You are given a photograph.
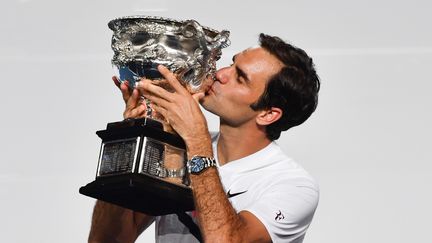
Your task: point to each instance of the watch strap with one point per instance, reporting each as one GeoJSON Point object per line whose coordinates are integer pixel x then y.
{"type": "Point", "coordinates": [171, 173]}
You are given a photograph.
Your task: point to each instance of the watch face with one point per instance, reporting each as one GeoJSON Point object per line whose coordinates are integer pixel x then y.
{"type": "Point", "coordinates": [197, 164]}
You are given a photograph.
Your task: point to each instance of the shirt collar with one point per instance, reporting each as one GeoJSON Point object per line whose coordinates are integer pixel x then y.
{"type": "Point", "coordinates": [259, 159]}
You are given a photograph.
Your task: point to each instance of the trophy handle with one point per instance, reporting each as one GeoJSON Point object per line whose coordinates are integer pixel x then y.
{"type": "Point", "coordinates": [221, 40]}
{"type": "Point", "coordinates": [210, 49]}
{"type": "Point", "coordinates": [197, 67]}
{"type": "Point", "coordinates": [192, 28]}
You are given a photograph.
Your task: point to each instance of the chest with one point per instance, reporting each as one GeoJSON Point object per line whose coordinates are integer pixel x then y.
{"type": "Point", "coordinates": [244, 189]}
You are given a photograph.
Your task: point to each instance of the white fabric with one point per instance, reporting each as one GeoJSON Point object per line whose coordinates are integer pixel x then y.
{"type": "Point", "coordinates": [280, 193]}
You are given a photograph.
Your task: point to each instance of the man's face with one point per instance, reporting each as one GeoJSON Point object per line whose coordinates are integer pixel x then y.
{"type": "Point", "coordinates": [240, 85]}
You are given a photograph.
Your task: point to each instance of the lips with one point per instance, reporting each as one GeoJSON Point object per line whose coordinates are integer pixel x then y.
{"type": "Point", "coordinates": [208, 85]}
{"type": "Point", "coordinates": [210, 91]}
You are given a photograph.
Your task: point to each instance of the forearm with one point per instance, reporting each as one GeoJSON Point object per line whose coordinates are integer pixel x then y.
{"type": "Point", "coordinates": [218, 220]}
{"type": "Point", "coordinates": [114, 224]}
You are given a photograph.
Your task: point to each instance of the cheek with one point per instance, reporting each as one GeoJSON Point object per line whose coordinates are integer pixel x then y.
{"type": "Point", "coordinates": [235, 98]}
{"type": "Point", "coordinates": [245, 97]}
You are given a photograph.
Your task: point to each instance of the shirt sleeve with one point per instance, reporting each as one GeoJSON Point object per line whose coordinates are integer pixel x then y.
{"type": "Point", "coordinates": [286, 210]}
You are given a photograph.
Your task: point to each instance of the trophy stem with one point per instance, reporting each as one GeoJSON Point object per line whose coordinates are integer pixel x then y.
{"type": "Point", "coordinates": [149, 109]}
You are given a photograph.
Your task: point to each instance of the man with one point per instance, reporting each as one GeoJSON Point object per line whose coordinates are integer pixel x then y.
{"type": "Point", "coordinates": [253, 193]}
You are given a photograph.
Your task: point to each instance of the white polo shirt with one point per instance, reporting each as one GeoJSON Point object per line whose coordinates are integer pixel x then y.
{"type": "Point", "coordinates": [268, 184]}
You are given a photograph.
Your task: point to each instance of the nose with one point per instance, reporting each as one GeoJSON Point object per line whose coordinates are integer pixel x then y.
{"type": "Point", "coordinates": [222, 75]}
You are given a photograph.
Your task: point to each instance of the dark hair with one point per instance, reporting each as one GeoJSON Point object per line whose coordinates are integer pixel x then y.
{"type": "Point", "coordinates": [294, 89]}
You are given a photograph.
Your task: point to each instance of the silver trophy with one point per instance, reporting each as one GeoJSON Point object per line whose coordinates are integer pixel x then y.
{"type": "Point", "coordinates": [142, 161]}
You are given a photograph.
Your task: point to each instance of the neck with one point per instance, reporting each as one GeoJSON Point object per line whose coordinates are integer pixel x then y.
{"type": "Point", "coordinates": [238, 142]}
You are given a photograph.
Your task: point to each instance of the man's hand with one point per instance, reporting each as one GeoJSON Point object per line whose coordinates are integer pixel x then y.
{"type": "Point", "coordinates": [135, 107]}
{"type": "Point", "coordinates": [180, 109]}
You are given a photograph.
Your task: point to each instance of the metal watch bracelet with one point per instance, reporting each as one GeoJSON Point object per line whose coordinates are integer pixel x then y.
{"type": "Point", "coordinates": [171, 173]}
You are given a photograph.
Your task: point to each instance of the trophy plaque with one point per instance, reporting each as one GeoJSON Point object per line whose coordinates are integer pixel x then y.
{"type": "Point", "coordinates": [142, 161]}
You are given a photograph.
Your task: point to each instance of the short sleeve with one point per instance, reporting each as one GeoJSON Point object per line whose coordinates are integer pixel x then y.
{"type": "Point", "coordinates": [286, 210]}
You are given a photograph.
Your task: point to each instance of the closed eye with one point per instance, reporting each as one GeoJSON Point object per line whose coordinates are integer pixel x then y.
{"type": "Point", "coordinates": [241, 75]}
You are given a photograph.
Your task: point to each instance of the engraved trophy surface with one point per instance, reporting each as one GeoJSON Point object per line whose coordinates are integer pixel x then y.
{"type": "Point", "coordinates": [142, 161]}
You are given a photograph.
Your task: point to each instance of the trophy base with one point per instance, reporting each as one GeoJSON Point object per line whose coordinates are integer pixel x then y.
{"type": "Point", "coordinates": [132, 170]}
{"type": "Point", "coordinates": [142, 193]}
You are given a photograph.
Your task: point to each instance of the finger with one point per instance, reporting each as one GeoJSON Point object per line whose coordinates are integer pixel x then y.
{"type": "Point", "coordinates": [162, 111]}
{"type": "Point", "coordinates": [139, 111]}
{"type": "Point", "coordinates": [198, 96]}
{"type": "Point", "coordinates": [124, 88]}
{"type": "Point", "coordinates": [146, 87]}
{"type": "Point", "coordinates": [133, 100]}
{"type": "Point", "coordinates": [159, 101]}
{"type": "Point", "coordinates": [116, 81]}
{"type": "Point", "coordinates": [172, 79]}
{"type": "Point", "coordinates": [126, 92]}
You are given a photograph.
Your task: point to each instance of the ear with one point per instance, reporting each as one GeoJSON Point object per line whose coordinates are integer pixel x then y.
{"type": "Point", "coordinates": [267, 117]}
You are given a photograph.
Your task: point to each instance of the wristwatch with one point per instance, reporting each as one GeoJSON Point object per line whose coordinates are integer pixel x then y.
{"type": "Point", "coordinates": [197, 164]}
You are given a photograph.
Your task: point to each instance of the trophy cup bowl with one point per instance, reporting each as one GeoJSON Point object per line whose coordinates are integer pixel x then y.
{"type": "Point", "coordinates": [142, 161]}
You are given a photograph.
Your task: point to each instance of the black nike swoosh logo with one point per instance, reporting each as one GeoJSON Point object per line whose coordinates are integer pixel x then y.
{"type": "Point", "coordinates": [234, 194]}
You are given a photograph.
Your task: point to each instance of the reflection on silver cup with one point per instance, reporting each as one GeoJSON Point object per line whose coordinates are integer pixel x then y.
{"type": "Point", "coordinates": [185, 47]}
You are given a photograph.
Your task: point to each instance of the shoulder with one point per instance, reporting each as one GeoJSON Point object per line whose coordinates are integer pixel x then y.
{"type": "Point", "coordinates": [270, 175]}
{"type": "Point", "coordinates": [289, 176]}
{"type": "Point", "coordinates": [286, 178]}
